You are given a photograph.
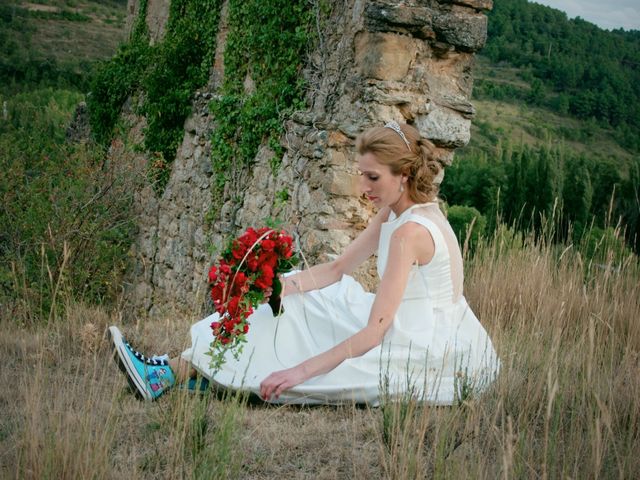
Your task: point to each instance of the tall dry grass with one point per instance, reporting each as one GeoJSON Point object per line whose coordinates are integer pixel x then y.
{"type": "Point", "coordinates": [565, 405]}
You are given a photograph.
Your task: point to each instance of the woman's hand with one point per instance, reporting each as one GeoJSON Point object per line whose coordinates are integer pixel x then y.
{"type": "Point", "coordinates": [279, 381]}
{"type": "Point", "coordinates": [267, 294]}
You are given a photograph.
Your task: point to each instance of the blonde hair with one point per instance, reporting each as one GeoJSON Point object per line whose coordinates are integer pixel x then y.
{"type": "Point", "coordinates": [416, 160]}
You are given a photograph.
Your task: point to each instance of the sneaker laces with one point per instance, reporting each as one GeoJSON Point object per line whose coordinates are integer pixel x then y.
{"type": "Point", "coordinates": [156, 360]}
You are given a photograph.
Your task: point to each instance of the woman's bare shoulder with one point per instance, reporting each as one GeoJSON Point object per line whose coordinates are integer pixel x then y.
{"type": "Point", "coordinates": [411, 231]}
{"type": "Point", "coordinates": [415, 240]}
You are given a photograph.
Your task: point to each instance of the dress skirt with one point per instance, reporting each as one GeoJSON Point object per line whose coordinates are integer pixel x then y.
{"type": "Point", "coordinates": [434, 353]}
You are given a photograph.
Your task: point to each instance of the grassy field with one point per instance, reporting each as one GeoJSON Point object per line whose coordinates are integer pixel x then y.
{"type": "Point", "coordinates": [69, 29]}
{"type": "Point", "coordinates": [520, 122]}
{"type": "Point", "coordinates": [69, 34]}
{"type": "Point", "coordinates": [566, 404]}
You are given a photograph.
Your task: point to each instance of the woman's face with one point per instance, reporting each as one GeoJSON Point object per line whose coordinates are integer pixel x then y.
{"type": "Point", "coordinates": [377, 182]}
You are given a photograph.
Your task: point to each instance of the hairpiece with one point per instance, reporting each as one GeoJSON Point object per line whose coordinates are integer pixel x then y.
{"type": "Point", "coordinates": [393, 125]}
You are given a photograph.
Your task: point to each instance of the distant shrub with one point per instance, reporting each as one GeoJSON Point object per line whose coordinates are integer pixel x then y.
{"type": "Point", "coordinates": [508, 238]}
{"type": "Point", "coordinates": [66, 223]}
{"type": "Point", "coordinates": [605, 246]}
{"type": "Point", "coordinates": [466, 222]}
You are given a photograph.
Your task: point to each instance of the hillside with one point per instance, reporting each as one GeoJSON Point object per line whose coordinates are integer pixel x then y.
{"type": "Point", "coordinates": [54, 42]}
{"type": "Point", "coordinates": [559, 94]}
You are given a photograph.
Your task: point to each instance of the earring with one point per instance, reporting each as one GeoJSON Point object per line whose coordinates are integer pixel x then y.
{"type": "Point", "coordinates": [401, 188]}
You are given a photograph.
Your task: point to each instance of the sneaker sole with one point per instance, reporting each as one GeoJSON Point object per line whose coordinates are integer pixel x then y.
{"type": "Point", "coordinates": [122, 358]}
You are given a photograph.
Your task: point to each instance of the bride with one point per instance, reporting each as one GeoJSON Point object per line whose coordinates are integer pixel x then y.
{"type": "Point", "coordinates": [336, 343]}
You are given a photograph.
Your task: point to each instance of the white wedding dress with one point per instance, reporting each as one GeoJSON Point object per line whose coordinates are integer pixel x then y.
{"type": "Point", "coordinates": [435, 350]}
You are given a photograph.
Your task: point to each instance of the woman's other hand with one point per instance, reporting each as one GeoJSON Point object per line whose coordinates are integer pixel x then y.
{"type": "Point", "coordinates": [267, 294]}
{"type": "Point", "coordinates": [279, 381]}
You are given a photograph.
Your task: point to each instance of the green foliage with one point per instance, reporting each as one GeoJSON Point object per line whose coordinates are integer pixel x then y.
{"type": "Point", "coordinates": [63, 14]}
{"type": "Point", "coordinates": [267, 42]}
{"type": "Point", "coordinates": [605, 246]}
{"type": "Point", "coordinates": [176, 68]}
{"type": "Point", "coordinates": [35, 49]}
{"type": "Point", "coordinates": [113, 82]}
{"type": "Point", "coordinates": [467, 223]}
{"type": "Point", "coordinates": [528, 186]}
{"type": "Point", "coordinates": [574, 66]}
{"type": "Point", "coordinates": [65, 222]}
{"type": "Point", "coordinates": [117, 78]}
{"type": "Point", "coordinates": [577, 193]}
{"type": "Point", "coordinates": [168, 73]}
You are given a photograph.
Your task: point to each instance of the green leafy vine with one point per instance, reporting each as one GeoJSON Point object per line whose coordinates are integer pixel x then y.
{"type": "Point", "coordinates": [263, 60]}
{"type": "Point", "coordinates": [116, 79]}
{"type": "Point", "coordinates": [179, 65]}
{"type": "Point", "coordinates": [168, 73]}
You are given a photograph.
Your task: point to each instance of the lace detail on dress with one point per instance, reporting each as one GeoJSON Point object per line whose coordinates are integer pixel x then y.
{"type": "Point", "coordinates": [432, 212]}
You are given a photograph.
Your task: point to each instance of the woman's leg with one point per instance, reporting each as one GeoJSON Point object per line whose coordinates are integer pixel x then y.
{"type": "Point", "coordinates": [182, 370]}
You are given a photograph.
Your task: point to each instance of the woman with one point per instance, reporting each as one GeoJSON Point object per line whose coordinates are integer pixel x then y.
{"type": "Point", "coordinates": [337, 343]}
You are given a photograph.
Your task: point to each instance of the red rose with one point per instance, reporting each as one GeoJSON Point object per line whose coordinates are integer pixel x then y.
{"type": "Point", "coordinates": [239, 284]}
{"type": "Point", "coordinates": [268, 245]}
{"type": "Point", "coordinates": [224, 267]}
{"type": "Point", "coordinates": [252, 262]}
{"type": "Point", "coordinates": [239, 250]}
{"type": "Point", "coordinates": [268, 258]}
{"type": "Point", "coordinates": [228, 325]}
{"type": "Point", "coordinates": [266, 277]}
{"type": "Point", "coordinates": [245, 329]}
{"type": "Point", "coordinates": [213, 276]}
{"type": "Point", "coordinates": [249, 238]}
{"type": "Point", "coordinates": [232, 306]}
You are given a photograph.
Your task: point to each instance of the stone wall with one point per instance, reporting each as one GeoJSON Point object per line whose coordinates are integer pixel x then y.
{"type": "Point", "coordinates": [376, 61]}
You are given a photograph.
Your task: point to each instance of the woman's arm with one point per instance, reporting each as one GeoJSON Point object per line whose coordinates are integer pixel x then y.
{"type": "Point", "coordinates": [325, 274]}
{"type": "Point", "coordinates": [409, 244]}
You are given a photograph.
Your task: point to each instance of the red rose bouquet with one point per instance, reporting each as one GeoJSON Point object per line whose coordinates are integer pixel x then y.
{"type": "Point", "coordinates": [244, 276]}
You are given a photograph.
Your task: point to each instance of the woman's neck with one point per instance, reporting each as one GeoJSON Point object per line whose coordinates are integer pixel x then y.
{"type": "Point", "coordinates": [401, 205]}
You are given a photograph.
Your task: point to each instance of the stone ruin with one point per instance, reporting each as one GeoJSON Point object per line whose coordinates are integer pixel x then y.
{"type": "Point", "coordinates": [409, 61]}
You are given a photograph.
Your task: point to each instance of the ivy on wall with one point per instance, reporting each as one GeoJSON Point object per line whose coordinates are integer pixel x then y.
{"type": "Point", "coordinates": [179, 65]}
{"type": "Point", "coordinates": [168, 73]}
{"type": "Point", "coordinates": [266, 43]}
{"type": "Point", "coordinates": [116, 79]}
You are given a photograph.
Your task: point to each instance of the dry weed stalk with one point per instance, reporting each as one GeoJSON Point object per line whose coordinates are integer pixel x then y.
{"type": "Point", "coordinates": [566, 403]}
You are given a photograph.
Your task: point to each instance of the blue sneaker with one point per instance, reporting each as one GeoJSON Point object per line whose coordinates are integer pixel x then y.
{"type": "Point", "coordinates": [148, 377]}
{"type": "Point", "coordinates": [197, 385]}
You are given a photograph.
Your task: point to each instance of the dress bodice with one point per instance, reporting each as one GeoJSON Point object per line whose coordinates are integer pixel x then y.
{"type": "Point", "coordinates": [432, 281]}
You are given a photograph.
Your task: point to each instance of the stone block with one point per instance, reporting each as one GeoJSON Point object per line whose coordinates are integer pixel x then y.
{"type": "Point", "coordinates": [338, 182]}
{"type": "Point", "coordinates": [458, 103]}
{"type": "Point", "coordinates": [444, 127]}
{"type": "Point", "coordinates": [466, 31]}
{"type": "Point", "coordinates": [476, 4]}
{"type": "Point", "coordinates": [385, 56]}
{"type": "Point", "coordinates": [303, 197]}
{"type": "Point", "coordinates": [397, 17]}
{"type": "Point", "coordinates": [339, 159]}
{"type": "Point", "coordinates": [337, 139]}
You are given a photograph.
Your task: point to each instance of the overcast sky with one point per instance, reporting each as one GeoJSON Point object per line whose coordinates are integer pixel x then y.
{"type": "Point", "coordinates": [607, 14]}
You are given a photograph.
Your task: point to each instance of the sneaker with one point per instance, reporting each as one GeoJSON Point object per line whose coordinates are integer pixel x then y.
{"type": "Point", "coordinates": [148, 377]}
{"type": "Point", "coordinates": [196, 385]}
